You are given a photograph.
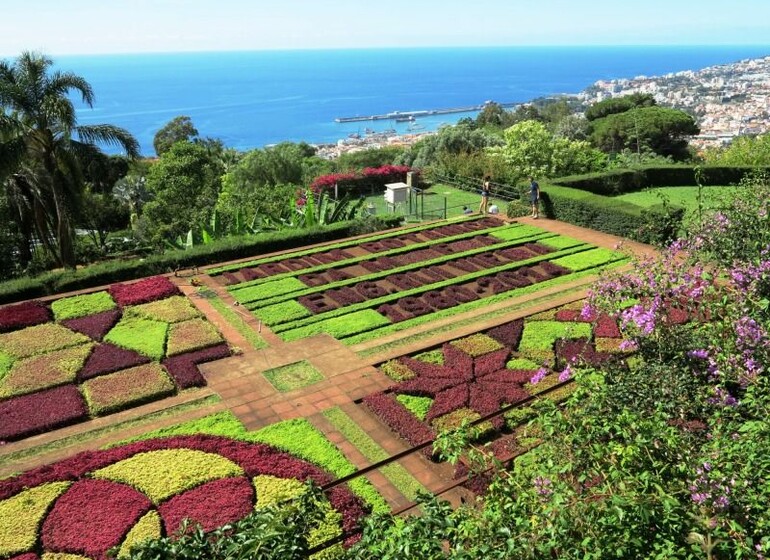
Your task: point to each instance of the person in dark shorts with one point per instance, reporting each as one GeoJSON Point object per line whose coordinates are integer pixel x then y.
{"type": "Point", "coordinates": [486, 188]}
{"type": "Point", "coordinates": [534, 197]}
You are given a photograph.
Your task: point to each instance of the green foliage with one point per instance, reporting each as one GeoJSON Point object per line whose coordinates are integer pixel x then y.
{"type": "Point", "coordinates": [616, 105]}
{"type": "Point", "coordinates": [753, 151]}
{"type": "Point", "coordinates": [147, 528]}
{"type": "Point", "coordinates": [44, 371]}
{"type": "Point", "coordinates": [369, 157]}
{"type": "Point", "coordinates": [270, 533]}
{"type": "Point", "coordinates": [659, 129]}
{"type": "Point", "coordinates": [279, 313]}
{"type": "Point", "coordinates": [431, 356]}
{"type": "Point", "coordinates": [394, 472]}
{"type": "Point", "coordinates": [126, 388]}
{"type": "Point", "coordinates": [178, 129]}
{"type": "Point", "coordinates": [541, 335]}
{"type": "Point", "coordinates": [236, 321]}
{"type": "Point", "coordinates": [532, 150]}
{"type": "Point", "coordinates": [396, 370]}
{"type": "Point", "coordinates": [419, 406]}
{"type": "Point", "coordinates": [185, 182]}
{"type": "Point", "coordinates": [169, 310]}
{"type": "Point", "coordinates": [437, 149]}
{"type": "Point", "coordinates": [266, 290]}
{"type": "Point", "coordinates": [588, 259]}
{"type": "Point", "coordinates": [191, 335]}
{"type": "Point", "coordinates": [477, 344]}
{"type": "Point", "coordinates": [293, 376]}
{"type": "Point", "coordinates": [6, 361]}
{"type": "Point", "coordinates": [164, 473]}
{"type": "Point", "coordinates": [20, 517]}
{"type": "Point", "coordinates": [39, 340]}
{"type": "Point", "coordinates": [339, 327]}
{"type": "Point", "coordinates": [142, 335]}
{"type": "Point", "coordinates": [80, 306]}
{"type": "Point", "coordinates": [611, 215]}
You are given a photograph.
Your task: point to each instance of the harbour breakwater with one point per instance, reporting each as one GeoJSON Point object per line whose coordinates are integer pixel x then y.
{"type": "Point", "coordinates": [403, 116]}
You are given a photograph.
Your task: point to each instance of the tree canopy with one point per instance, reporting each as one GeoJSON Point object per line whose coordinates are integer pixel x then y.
{"type": "Point", "coordinates": [659, 129]}
{"type": "Point", "coordinates": [616, 105]}
{"type": "Point", "coordinates": [178, 129]}
{"type": "Point", "coordinates": [43, 152]}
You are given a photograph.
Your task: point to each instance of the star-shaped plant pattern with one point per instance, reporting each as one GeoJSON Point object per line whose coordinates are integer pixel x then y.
{"type": "Point", "coordinates": [481, 383]}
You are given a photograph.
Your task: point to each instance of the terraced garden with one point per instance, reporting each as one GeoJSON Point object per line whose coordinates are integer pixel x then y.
{"type": "Point", "coordinates": [289, 406]}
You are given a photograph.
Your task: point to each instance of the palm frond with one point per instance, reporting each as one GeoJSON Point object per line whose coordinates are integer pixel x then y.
{"type": "Point", "coordinates": [110, 135]}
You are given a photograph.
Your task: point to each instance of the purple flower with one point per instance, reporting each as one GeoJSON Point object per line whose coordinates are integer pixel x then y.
{"type": "Point", "coordinates": [543, 486]}
{"type": "Point", "coordinates": [700, 354]}
{"type": "Point", "coordinates": [539, 376]}
{"type": "Point", "coordinates": [565, 375]}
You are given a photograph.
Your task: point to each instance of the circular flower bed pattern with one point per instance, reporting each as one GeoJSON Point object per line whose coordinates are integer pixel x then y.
{"type": "Point", "coordinates": [95, 502]}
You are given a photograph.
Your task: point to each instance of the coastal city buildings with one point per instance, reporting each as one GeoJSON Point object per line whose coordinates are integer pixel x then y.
{"type": "Point", "coordinates": [727, 100]}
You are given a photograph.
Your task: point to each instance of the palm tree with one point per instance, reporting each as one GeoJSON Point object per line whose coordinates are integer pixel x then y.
{"type": "Point", "coordinates": [42, 148]}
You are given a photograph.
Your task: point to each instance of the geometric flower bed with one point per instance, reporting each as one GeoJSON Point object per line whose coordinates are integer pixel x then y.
{"type": "Point", "coordinates": [355, 289]}
{"type": "Point", "coordinates": [468, 378]}
{"type": "Point", "coordinates": [89, 355]}
{"type": "Point", "coordinates": [93, 502]}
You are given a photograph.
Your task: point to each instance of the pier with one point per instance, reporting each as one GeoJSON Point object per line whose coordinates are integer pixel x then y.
{"type": "Point", "coordinates": [404, 116]}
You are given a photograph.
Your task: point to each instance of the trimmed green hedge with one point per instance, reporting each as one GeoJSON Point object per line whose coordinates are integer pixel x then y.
{"type": "Point", "coordinates": [656, 224]}
{"type": "Point", "coordinates": [230, 248]}
{"type": "Point", "coordinates": [619, 181]}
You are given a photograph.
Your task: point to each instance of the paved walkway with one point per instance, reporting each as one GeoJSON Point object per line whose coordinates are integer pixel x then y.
{"type": "Point", "coordinates": [347, 376]}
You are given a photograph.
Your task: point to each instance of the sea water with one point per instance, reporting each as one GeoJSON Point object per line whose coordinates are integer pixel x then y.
{"type": "Point", "coordinates": [253, 99]}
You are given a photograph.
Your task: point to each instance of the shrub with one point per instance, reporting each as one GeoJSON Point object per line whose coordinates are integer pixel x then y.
{"type": "Point", "coordinates": [129, 387]}
{"type": "Point", "coordinates": [107, 358]}
{"type": "Point", "coordinates": [38, 340]}
{"type": "Point", "coordinates": [147, 528]}
{"type": "Point", "coordinates": [111, 509]}
{"type": "Point", "coordinates": [42, 372]}
{"type": "Point", "coordinates": [170, 310]}
{"type": "Point", "coordinates": [40, 412]}
{"type": "Point", "coordinates": [94, 326]}
{"type": "Point", "coordinates": [80, 306]}
{"type": "Point", "coordinates": [141, 335]}
{"type": "Point", "coordinates": [167, 472]}
{"type": "Point", "coordinates": [143, 291]}
{"type": "Point", "coordinates": [184, 367]}
{"type": "Point", "coordinates": [22, 315]}
{"type": "Point", "coordinates": [211, 505]}
{"type": "Point", "coordinates": [191, 335]}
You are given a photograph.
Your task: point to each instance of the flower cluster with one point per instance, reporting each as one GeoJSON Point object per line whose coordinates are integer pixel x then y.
{"type": "Point", "coordinates": [710, 491]}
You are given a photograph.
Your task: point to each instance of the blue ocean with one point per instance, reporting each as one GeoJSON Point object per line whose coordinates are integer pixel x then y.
{"type": "Point", "coordinates": [253, 99]}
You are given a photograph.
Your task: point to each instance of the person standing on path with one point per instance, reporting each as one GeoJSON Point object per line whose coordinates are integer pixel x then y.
{"type": "Point", "coordinates": [534, 197]}
{"type": "Point", "coordinates": [486, 189]}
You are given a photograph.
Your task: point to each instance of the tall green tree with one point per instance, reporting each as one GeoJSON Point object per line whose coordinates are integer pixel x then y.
{"type": "Point", "coordinates": [184, 184]}
{"type": "Point", "coordinates": [42, 149]}
{"type": "Point", "coordinates": [662, 130]}
{"type": "Point", "coordinates": [531, 149]}
{"type": "Point", "coordinates": [178, 129]}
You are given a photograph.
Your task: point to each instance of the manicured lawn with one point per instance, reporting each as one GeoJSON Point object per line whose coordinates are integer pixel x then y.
{"type": "Point", "coordinates": [686, 197]}
{"type": "Point", "coordinates": [432, 203]}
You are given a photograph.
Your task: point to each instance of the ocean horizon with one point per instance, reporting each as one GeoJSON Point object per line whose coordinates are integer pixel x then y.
{"type": "Point", "coordinates": [250, 99]}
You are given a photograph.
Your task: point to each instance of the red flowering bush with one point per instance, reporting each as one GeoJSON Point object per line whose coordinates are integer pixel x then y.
{"type": "Point", "coordinates": [40, 412]}
{"type": "Point", "coordinates": [143, 291]}
{"type": "Point", "coordinates": [366, 179]}
{"type": "Point", "coordinates": [94, 326]}
{"type": "Point", "coordinates": [21, 315]}
{"type": "Point", "coordinates": [92, 517]}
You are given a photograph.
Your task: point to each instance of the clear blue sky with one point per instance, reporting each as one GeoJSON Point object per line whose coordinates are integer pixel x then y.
{"type": "Point", "coordinates": [58, 27]}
